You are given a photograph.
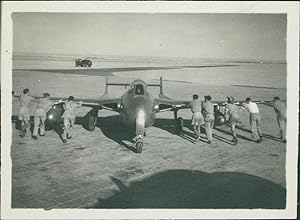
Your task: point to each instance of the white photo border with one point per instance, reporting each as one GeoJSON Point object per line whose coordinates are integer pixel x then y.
{"type": "Point", "coordinates": [289, 8]}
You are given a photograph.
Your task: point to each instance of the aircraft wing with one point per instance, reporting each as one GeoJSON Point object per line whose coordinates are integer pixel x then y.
{"type": "Point", "coordinates": [221, 104]}
{"type": "Point", "coordinates": [103, 102]}
{"type": "Point", "coordinates": [259, 102]}
{"type": "Point", "coordinates": [241, 103]}
{"type": "Point", "coordinates": [112, 104]}
{"type": "Point", "coordinates": [164, 103]}
{"type": "Point", "coordinates": [167, 104]}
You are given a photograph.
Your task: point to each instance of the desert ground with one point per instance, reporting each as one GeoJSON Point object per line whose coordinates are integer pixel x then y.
{"type": "Point", "coordinates": [100, 169]}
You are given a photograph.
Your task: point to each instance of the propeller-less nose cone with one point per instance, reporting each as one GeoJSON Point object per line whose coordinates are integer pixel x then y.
{"type": "Point", "coordinates": [140, 117]}
{"type": "Point", "coordinates": [140, 122]}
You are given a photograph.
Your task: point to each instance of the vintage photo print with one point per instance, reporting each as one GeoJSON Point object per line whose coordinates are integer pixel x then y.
{"type": "Point", "coordinates": [155, 110]}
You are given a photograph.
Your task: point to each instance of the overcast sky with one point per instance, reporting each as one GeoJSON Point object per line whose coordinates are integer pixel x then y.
{"type": "Point", "coordinates": [242, 36]}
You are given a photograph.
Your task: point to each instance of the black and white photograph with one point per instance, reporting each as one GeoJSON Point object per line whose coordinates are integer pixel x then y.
{"type": "Point", "coordinates": [137, 110]}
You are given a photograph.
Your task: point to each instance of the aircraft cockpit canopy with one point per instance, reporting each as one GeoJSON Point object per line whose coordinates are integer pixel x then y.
{"type": "Point", "coordinates": [138, 87]}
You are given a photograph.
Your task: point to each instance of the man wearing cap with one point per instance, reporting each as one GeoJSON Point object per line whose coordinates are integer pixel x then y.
{"type": "Point", "coordinates": [233, 112]}
{"type": "Point", "coordinates": [255, 120]}
{"type": "Point", "coordinates": [280, 110]}
{"type": "Point", "coordinates": [209, 117]}
{"type": "Point", "coordinates": [24, 116]}
{"type": "Point", "coordinates": [69, 117]}
{"type": "Point", "coordinates": [197, 118]}
{"type": "Point", "coordinates": [43, 106]}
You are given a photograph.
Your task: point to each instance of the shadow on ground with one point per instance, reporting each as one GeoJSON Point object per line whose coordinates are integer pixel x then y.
{"type": "Point", "coordinates": [169, 125]}
{"type": "Point", "coordinates": [268, 136]}
{"type": "Point", "coordinates": [230, 134]}
{"type": "Point", "coordinates": [112, 128]}
{"type": "Point", "coordinates": [196, 189]}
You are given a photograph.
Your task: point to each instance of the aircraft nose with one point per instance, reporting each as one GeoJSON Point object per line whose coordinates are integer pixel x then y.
{"type": "Point", "coordinates": [140, 122]}
{"type": "Point", "coordinates": [140, 114]}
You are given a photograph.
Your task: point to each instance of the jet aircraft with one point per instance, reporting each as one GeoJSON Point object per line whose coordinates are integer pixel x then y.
{"type": "Point", "coordinates": [137, 108]}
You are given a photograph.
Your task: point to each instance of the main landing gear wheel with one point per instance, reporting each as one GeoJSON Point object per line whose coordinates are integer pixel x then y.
{"type": "Point", "coordinates": [139, 146]}
{"type": "Point", "coordinates": [179, 125]}
{"type": "Point", "coordinates": [91, 123]}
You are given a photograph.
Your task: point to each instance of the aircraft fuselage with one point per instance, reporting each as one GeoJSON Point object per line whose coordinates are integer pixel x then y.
{"type": "Point", "coordinates": [134, 106]}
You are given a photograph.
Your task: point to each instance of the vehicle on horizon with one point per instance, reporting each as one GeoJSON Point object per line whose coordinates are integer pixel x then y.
{"type": "Point", "coordinates": [83, 62]}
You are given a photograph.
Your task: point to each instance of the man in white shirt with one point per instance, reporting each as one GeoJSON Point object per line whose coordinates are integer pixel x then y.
{"type": "Point", "coordinates": [255, 120]}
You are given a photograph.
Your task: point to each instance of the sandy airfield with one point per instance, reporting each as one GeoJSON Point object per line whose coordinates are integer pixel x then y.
{"type": "Point", "coordinates": [101, 170]}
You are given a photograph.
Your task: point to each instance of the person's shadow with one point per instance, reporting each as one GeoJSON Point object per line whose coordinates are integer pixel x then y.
{"type": "Point", "coordinates": [196, 189]}
{"type": "Point", "coordinates": [268, 136]}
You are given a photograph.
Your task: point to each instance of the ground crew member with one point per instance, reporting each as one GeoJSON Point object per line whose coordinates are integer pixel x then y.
{"type": "Point", "coordinates": [254, 119]}
{"type": "Point", "coordinates": [24, 116]}
{"type": "Point", "coordinates": [43, 106]}
{"type": "Point", "coordinates": [197, 118]}
{"type": "Point", "coordinates": [280, 110]}
{"type": "Point", "coordinates": [15, 100]}
{"type": "Point", "coordinates": [233, 112]}
{"type": "Point", "coordinates": [209, 117]}
{"type": "Point", "coordinates": [69, 117]}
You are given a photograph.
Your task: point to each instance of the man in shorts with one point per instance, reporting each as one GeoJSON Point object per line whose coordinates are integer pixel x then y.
{"type": "Point", "coordinates": [280, 110]}
{"type": "Point", "coordinates": [209, 117]}
{"type": "Point", "coordinates": [197, 118]}
{"type": "Point", "coordinates": [24, 115]}
{"type": "Point", "coordinates": [233, 112]}
{"type": "Point", "coordinates": [43, 106]}
{"type": "Point", "coordinates": [69, 117]}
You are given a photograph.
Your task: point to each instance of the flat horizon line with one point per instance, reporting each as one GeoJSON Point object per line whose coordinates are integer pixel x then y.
{"type": "Point", "coordinates": [18, 55]}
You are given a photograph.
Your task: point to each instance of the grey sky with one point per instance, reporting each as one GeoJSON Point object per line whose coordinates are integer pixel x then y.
{"type": "Point", "coordinates": [242, 36]}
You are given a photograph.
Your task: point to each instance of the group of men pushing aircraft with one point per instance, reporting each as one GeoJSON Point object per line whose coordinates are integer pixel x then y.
{"type": "Point", "coordinates": [44, 104]}
{"type": "Point", "coordinates": [203, 114]}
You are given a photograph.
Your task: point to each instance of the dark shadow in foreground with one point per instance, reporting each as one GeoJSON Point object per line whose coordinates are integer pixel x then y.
{"type": "Point", "coordinates": [196, 189]}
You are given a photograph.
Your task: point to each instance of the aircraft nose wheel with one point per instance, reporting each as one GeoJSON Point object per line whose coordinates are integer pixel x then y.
{"type": "Point", "coordinates": [139, 146]}
{"type": "Point", "coordinates": [179, 125]}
